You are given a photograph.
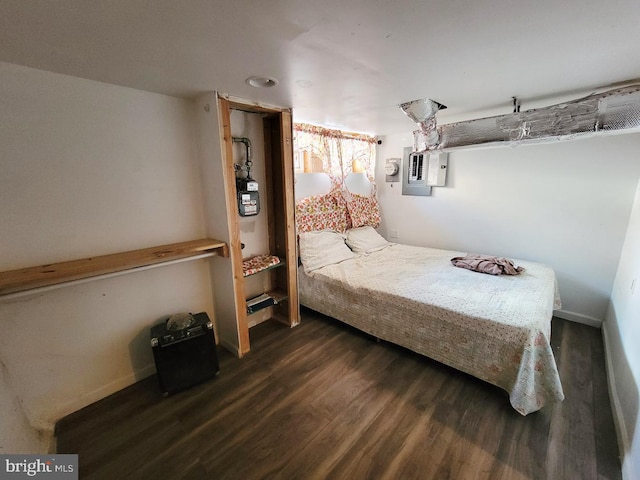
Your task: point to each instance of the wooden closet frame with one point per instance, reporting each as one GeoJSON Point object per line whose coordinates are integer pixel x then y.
{"type": "Point", "coordinates": [279, 204]}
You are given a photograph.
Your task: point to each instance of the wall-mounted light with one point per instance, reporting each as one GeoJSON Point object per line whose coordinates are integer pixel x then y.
{"type": "Point", "coordinates": [358, 183]}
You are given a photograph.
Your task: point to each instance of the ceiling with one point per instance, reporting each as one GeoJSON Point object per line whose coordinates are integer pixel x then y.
{"type": "Point", "coordinates": [343, 64]}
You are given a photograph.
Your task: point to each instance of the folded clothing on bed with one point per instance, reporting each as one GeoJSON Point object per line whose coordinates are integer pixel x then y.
{"type": "Point", "coordinates": [487, 264]}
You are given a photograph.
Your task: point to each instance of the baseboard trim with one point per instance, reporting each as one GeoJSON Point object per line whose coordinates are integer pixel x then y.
{"type": "Point", "coordinates": [115, 386]}
{"type": "Point", "coordinates": [628, 469]}
{"type": "Point", "coordinates": [578, 318]}
{"type": "Point", "coordinates": [51, 442]}
{"type": "Point", "coordinates": [234, 349]}
{"type": "Point", "coordinates": [97, 394]}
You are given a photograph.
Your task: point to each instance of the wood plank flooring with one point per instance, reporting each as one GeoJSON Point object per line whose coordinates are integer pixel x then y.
{"type": "Point", "coordinates": [324, 401]}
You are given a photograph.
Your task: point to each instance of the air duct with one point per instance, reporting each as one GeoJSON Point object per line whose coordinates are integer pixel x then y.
{"type": "Point", "coordinates": [423, 112]}
{"type": "Point", "coordinates": [614, 110]}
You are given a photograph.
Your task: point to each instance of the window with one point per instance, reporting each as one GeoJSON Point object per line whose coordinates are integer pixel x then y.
{"type": "Point", "coordinates": [334, 152]}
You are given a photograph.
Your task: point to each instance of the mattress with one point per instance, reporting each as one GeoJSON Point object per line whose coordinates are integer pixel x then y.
{"type": "Point", "coordinates": [496, 328]}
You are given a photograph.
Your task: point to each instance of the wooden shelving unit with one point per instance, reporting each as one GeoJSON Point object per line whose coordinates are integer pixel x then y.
{"type": "Point", "coordinates": [270, 267]}
{"type": "Point", "coordinates": [278, 205]}
{"type": "Point", "coordinates": [30, 278]}
{"type": "Point", "coordinates": [276, 296]}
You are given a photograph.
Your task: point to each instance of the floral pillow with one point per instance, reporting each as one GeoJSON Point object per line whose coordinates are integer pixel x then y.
{"type": "Point", "coordinates": [322, 212]}
{"type": "Point", "coordinates": [363, 210]}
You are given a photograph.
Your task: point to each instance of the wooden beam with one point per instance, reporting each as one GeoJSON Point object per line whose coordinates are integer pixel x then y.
{"type": "Point", "coordinates": [286, 126]}
{"type": "Point", "coordinates": [234, 227]}
{"type": "Point", "coordinates": [55, 273]}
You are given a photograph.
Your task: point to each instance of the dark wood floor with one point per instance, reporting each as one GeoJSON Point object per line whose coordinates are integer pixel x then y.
{"type": "Point", "coordinates": [324, 401]}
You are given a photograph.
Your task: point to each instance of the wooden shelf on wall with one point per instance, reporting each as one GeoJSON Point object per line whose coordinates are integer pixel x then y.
{"type": "Point", "coordinates": [30, 278]}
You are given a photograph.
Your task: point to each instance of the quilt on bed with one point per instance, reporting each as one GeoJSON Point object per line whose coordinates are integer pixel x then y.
{"type": "Point", "coordinates": [496, 328]}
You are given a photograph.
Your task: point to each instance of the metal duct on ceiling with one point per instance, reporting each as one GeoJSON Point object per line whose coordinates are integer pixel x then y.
{"type": "Point", "coordinates": [613, 110]}
{"type": "Point", "coordinates": [423, 112]}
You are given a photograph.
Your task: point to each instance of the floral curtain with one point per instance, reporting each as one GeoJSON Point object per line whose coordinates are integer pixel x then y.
{"type": "Point", "coordinates": [337, 153]}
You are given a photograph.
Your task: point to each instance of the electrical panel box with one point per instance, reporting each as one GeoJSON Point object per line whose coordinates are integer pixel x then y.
{"type": "Point", "coordinates": [423, 170]}
{"type": "Point", "coordinates": [437, 173]}
{"type": "Point", "coordinates": [414, 173]}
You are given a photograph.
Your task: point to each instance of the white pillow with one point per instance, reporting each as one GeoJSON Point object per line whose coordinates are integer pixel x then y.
{"type": "Point", "coordinates": [365, 240]}
{"type": "Point", "coordinates": [319, 249]}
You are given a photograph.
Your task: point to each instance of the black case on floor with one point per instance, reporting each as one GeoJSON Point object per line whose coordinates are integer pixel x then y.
{"type": "Point", "coordinates": [184, 357]}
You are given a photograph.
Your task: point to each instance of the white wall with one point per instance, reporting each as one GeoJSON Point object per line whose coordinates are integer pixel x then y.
{"type": "Point", "coordinates": [88, 169]}
{"type": "Point", "coordinates": [216, 207]}
{"type": "Point", "coordinates": [622, 340]}
{"type": "Point", "coordinates": [566, 204]}
{"type": "Point", "coordinates": [253, 229]}
{"type": "Point", "coordinates": [17, 433]}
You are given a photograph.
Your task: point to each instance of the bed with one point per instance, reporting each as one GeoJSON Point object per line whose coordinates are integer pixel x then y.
{"type": "Point", "coordinates": [494, 327]}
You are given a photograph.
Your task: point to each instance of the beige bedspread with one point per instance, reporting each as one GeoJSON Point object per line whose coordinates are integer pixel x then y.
{"type": "Point", "coordinates": [496, 328]}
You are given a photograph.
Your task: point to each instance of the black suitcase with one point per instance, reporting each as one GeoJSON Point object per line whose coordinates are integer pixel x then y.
{"type": "Point", "coordinates": [184, 357]}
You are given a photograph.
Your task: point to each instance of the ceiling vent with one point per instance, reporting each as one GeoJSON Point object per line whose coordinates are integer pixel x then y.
{"type": "Point", "coordinates": [614, 110]}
